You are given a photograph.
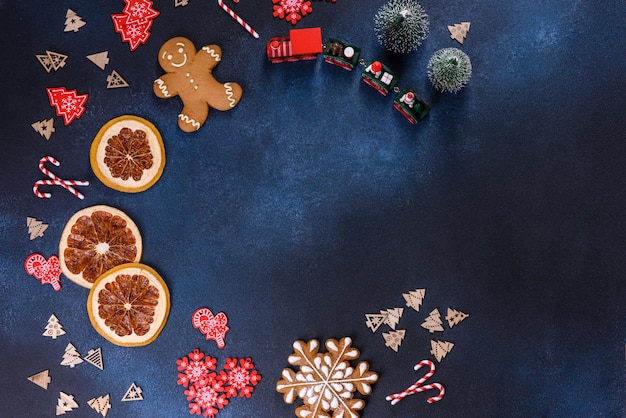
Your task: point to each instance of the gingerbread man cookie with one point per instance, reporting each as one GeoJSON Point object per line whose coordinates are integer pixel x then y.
{"type": "Point", "coordinates": [189, 75]}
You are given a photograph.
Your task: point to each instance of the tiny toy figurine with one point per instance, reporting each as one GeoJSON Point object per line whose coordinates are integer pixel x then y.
{"type": "Point", "coordinates": [410, 105]}
{"type": "Point", "coordinates": [341, 54]}
{"type": "Point", "coordinates": [301, 44]}
{"type": "Point", "coordinates": [379, 76]}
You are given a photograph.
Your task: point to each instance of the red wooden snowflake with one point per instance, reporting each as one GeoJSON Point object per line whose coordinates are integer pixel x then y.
{"type": "Point", "coordinates": [195, 369]}
{"type": "Point", "coordinates": [291, 10]}
{"type": "Point", "coordinates": [239, 377]}
{"type": "Point", "coordinates": [207, 391]}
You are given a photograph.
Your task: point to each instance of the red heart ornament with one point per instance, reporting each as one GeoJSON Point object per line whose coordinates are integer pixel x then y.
{"type": "Point", "coordinates": [46, 271]}
{"type": "Point", "coordinates": [214, 327]}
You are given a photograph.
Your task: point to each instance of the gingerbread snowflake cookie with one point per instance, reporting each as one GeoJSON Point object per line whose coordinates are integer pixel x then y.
{"type": "Point", "coordinates": [326, 381]}
{"type": "Point", "coordinates": [189, 75]}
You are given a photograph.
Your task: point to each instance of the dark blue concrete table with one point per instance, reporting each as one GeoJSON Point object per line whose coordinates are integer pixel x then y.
{"type": "Point", "coordinates": [314, 202]}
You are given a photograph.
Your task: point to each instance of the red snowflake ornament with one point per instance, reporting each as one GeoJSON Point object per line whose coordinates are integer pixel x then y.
{"type": "Point", "coordinates": [239, 377]}
{"type": "Point", "coordinates": [68, 103]}
{"type": "Point", "coordinates": [213, 326]}
{"type": "Point", "coordinates": [46, 271]}
{"type": "Point", "coordinates": [207, 391]}
{"type": "Point", "coordinates": [197, 368]}
{"type": "Point", "coordinates": [291, 10]}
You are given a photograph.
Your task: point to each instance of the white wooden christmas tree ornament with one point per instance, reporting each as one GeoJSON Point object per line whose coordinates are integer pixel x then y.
{"type": "Point", "coordinates": [374, 321]}
{"type": "Point", "coordinates": [71, 357]}
{"type": "Point", "coordinates": [73, 22]}
{"type": "Point", "coordinates": [36, 228]}
{"type": "Point", "coordinates": [392, 316]}
{"type": "Point", "coordinates": [433, 321]}
{"type": "Point", "coordinates": [454, 317]}
{"type": "Point", "coordinates": [44, 128]}
{"type": "Point", "coordinates": [52, 60]}
{"type": "Point", "coordinates": [114, 81]}
{"type": "Point", "coordinates": [94, 357]}
{"type": "Point", "coordinates": [66, 403]}
{"type": "Point", "coordinates": [41, 379]}
{"type": "Point", "coordinates": [440, 349]}
{"type": "Point", "coordinates": [393, 339]}
{"type": "Point", "coordinates": [458, 32]}
{"type": "Point", "coordinates": [101, 404]}
{"type": "Point", "coordinates": [54, 328]}
{"type": "Point", "coordinates": [101, 59]}
{"type": "Point", "coordinates": [133, 393]}
{"type": "Point", "coordinates": [414, 298]}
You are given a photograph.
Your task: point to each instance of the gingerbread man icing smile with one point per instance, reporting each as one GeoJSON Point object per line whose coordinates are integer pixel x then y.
{"type": "Point", "coordinates": [189, 75]}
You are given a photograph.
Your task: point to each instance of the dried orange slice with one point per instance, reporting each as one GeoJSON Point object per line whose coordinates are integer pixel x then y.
{"type": "Point", "coordinates": [96, 239]}
{"type": "Point", "coordinates": [127, 154]}
{"type": "Point", "coordinates": [129, 305]}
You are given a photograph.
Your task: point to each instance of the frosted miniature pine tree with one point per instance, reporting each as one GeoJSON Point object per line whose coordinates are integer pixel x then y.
{"type": "Point", "coordinates": [73, 22]}
{"type": "Point", "coordinates": [449, 70]}
{"type": "Point", "coordinates": [54, 328]}
{"type": "Point", "coordinates": [71, 357]}
{"type": "Point", "coordinates": [433, 322]}
{"type": "Point", "coordinates": [401, 25]}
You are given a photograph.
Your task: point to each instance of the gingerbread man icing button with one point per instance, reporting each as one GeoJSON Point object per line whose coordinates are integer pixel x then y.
{"type": "Point", "coordinates": [189, 75]}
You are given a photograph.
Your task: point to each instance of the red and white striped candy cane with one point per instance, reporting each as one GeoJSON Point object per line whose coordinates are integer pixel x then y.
{"type": "Point", "coordinates": [56, 180]}
{"type": "Point", "coordinates": [417, 386]}
{"type": "Point", "coordinates": [237, 18]}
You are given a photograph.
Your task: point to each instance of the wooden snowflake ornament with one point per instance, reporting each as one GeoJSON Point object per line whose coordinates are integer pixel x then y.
{"type": "Point", "coordinates": [326, 382]}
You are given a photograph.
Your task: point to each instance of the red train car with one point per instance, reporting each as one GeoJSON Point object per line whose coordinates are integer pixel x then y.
{"type": "Point", "coordinates": [301, 44]}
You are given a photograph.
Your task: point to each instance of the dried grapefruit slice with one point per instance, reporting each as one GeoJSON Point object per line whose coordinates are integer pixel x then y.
{"type": "Point", "coordinates": [127, 154]}
{"type": "Point", "coordinates": [96, 239]}
{"type": "Point", "coordinates": [129, 305]}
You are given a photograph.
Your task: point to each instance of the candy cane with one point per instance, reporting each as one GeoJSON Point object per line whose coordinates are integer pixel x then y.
{"type": "Point", "coordinates": [237, 18]}
{"type": "Point", "coordinates": [55, 180]}
{"type": "Point", "coordinates": [417, 386]}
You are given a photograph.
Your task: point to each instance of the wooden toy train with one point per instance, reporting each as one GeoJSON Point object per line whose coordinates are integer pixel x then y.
{"type": "Point", "coordinates": [306, 44]}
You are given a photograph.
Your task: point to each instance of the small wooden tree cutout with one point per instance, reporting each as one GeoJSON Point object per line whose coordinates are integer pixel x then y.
{"type": "Point", "coordinates": [44, 127]}
{"type": "Point", "coordinates": [114, 81]}
{"type": "Point", "coordinates": [36, 228]}
{"type": "Point", "coordinates": [433, 321]}
{"type": "Point", "coordinates": [73, 22]}
{"type": "Point", "coordinates": [101, 404]}
{"type": "Point", "coordinates": [52, 60]}
{"type": "Point", "coordinates": [392, 316]}
{"type": "Point", "coordinates": [440, 349]}
{"type": "Point", "coordinates": [182, 3]}
{"type": "Point", "coordinates": [133, 393]}
{"type": "Point", "coordinates": [459, 31]}
{"type": "Point", "coordinates": [101, 59]}
{"type": "Point", "coordinates": [414, 298]}
{"type": "Point", "coordinates": [66, 403]}
{"type": "Point", "coordinates": [71, 357]}
{"type": "Point", "coordinates": [393, 339]}
{"type": "Point", "coordinates": [374, 321]}
{"type": "Point", "coordinates": [54, 328]}
{"type": "Point", "coordinates": [41, 379]}
{"type": "Point", "coordinates": [94, 357]}
{"type": "Point", "coordinates": [454, 317]}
